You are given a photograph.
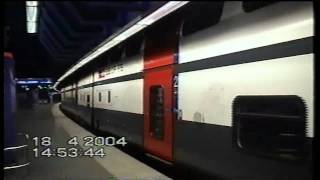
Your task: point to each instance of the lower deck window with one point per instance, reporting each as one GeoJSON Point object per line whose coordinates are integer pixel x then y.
{"type": "Point", "coordinates": [109, 96]}
{"type": "Point", "coordinates": [270, 125]}
{"type": "Point", "coordinates": [88, 98]}
{"type": "Point", "coordinates": [100, 97]}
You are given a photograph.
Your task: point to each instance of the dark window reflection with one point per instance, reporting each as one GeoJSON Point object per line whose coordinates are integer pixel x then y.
{"type": "Point", "coordinates": [157, 111]}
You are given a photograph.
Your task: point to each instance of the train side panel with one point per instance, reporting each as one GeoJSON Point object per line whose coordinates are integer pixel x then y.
{"type": "Point", "coordinates": [265, 53]}
{"type": "Point", "coordinates": [244, 92]}
{"type": "Point", "coordinates": [84, 106]}
{"type": "Point", "coordinates": [118, 97]}
{"type": "Point", "coordinates": [266, 26]}
{"type": "Point", "coordinates": [69, 100]}
{"type": "Point", "coordinates": [206, 99]}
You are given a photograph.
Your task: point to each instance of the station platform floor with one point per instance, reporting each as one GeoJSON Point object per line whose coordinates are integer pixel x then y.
{"type": "Point", "coordinates": [47, 120]}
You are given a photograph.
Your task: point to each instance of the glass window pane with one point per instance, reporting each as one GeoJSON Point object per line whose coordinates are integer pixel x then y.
{"type": "Point", "coordinates": [254, 5]}
{"type": "Point", "coordinates": [31, 27]}
{"type": "Point", "coordinates": [32, 3]}
{"type": "Point", "coordinates": [109, 96]}
{"type": "Point", "coordinates": [201, 15]}
{"type": "Point", "coordinates": [270, 125]}
{"type": "Point", "coordinates": [157, 111]}
{"type": "Point", "coordinates": [32, 13]}
{"type": "Point", "coordinates": [88, 98]}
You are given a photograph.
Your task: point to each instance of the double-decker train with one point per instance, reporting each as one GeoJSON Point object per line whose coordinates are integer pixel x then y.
{"type": "Point", "coordinates": [226, 88]}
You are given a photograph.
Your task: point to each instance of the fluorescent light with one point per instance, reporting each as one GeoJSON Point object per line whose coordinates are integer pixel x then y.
{"type": "Point", "coordinates": [32, 15]}
{"type": "Point", "coordinates": [82, 62]}
{"type": "Point", "coordinates": [45, 81]}
{"type": "Point", "coordinates": [27, 82]}
{"type": "Point", "coordinates": [148, 20]}
{"type": "Point", "coordinates": [32, 3]}
{"type": "Point", "coordinates": [31, 27]}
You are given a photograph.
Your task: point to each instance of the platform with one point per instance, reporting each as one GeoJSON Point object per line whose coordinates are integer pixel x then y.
{"type": "Point", "coordinates": [48, 120]}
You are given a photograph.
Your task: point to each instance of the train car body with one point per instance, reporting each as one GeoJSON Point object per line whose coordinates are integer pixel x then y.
{"type": "Point", "coordinates": [234, 99]}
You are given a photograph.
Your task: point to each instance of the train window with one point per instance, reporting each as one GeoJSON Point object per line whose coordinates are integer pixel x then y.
{"type": "Point", "coordinates": [250, 6]}
{"type": "Point", "coordinates": [270, 125]}
{"type": "Point", "coordinates": [100, 97]}
{"type": "Point", "coordinates": [109, 96]}
{"type": "Point", "coordinates": [116, 54]}
{"type": "Point", "coordinates": [201, 15]}
{"type": "Point", "coordinates": [157, 111]}
{"type": "Point", "coordinates": [76, 97]}
{"type": "Point", "coordinates": [133, 46]}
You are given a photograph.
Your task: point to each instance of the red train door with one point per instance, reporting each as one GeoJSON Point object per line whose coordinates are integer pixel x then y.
{"type": "Point", "coordinates": [158, 112]}
{"type": "Point", "coordinates": [159, 57]}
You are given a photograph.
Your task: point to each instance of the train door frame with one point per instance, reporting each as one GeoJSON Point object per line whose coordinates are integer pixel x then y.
{"type": "Point", "coordinates": [160, 55]}
{"type": "Point", "coordinates": [158, 135]}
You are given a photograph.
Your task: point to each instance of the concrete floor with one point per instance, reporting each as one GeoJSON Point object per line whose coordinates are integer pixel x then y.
{"type": "Point", "coordinates": [39, 122]}
{"type": "Point", "coordinates": [47, 120]}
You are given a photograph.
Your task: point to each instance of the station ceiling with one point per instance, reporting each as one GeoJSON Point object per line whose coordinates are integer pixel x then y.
{"type": "Point", "coordinates": [67, 30]}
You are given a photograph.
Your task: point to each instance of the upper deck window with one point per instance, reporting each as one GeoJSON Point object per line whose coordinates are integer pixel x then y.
{"type": "Point", "coordinates": [250, 6]}
{"type": "Point", "coordinates": [115, 54]}
{"type": "Point", "coordinates": [201, 15]}
{"type": "Point", "coordinates": [133, 46]}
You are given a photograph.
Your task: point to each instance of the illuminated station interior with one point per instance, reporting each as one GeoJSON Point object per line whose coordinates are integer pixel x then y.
{"type": "Point", "coordinates": [157, 90]}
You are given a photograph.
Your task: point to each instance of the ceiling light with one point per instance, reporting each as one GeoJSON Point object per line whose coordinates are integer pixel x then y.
{"type": "Point", "coordinates": [32, 3]}
{"type": "Point", "coordinates": [32, 13]}
{"type": "Point", "coordinates": [32, 16]}
{"type": "Point", "coordinates": [31, 27]}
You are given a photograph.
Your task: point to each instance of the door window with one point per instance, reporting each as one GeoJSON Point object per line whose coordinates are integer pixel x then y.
{"type": "Point", "coordinates": [157, 111]}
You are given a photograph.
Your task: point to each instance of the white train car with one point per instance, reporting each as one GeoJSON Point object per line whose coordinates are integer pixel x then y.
{"type": "Point", "coordinates": [119, 96]}
{"type": "Point", "coordinates": [85, 98]}
{"type": "Point", "coordinates": [246, 90]}
{"type": "Point", "coordinates": [225, 88]}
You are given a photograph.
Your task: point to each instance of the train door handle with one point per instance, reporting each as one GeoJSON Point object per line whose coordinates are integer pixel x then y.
{"type": "Point", "coordinates": [179, 113]}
